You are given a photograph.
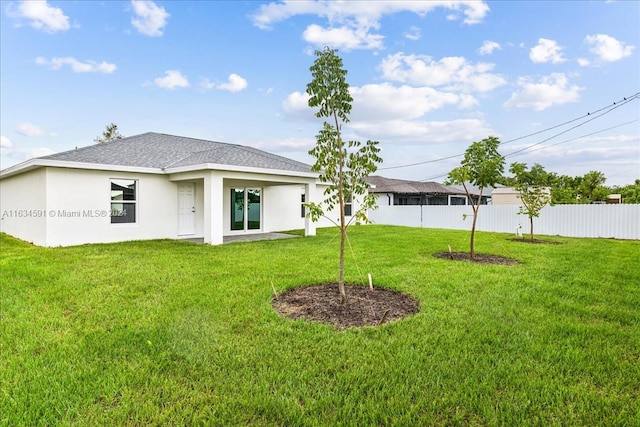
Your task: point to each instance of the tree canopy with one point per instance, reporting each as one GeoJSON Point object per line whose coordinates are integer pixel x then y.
{"type": "Point", "coordinates": [110, 134]}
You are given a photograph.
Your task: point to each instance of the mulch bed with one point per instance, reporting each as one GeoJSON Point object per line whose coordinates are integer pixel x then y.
{"type": "Point", "coordinates": [478, 258]}
{"type": "Point", "coordinates": [364, 306]}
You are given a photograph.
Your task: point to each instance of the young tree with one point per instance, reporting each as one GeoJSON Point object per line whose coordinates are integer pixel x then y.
{"type": "Point", "coordinates": [110, 133]}
{"type": "Point", "coordinates": [482, 167]}
{"type": "Point", "coordinates": [533, 193]}
{"type": "Point", "coordinates": [342, 165]}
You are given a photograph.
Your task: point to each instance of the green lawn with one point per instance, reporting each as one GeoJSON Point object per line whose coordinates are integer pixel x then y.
{"type": "Point", "coordinates": [175, 333]}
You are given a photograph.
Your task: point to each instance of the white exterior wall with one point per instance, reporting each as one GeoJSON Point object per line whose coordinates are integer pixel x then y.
{"type": "Point", "coordinates": [72, 206]}
{"type": "Point", "coordinates": [281, 206]}
{"type": "Point", "coordinates": [79, 198]}
{"type": "Point", "coordinates": [23, 206]}
{"type": "Point", "coordinates": [505, 196]}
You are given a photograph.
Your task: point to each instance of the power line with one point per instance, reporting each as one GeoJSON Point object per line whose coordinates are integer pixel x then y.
{"type": "Point", "coordinates": [576, 138]}
{"type": "Point", "coordinates": [548, 146]}
{"type": "Point", "coordinates": [609, 108]}
{"type": "Point", "coordinates": [623, 172]}
{"type": "Point", "coordinates": [615, 106]}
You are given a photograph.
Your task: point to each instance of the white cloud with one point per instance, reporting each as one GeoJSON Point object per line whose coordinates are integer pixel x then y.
{"type": "Point", "coordinates": [373, 116]}
{"type": "Point", "coordinates": [29, 129]}
{"type": "Point", "coordinates": [344, 38]}
{"type": "Point", "coordinates": [488, 47]}
{"type": "Point", "coordinates": [8, 150]}
{"type": "Point", "coordinates": [424, 132]}
{"type": "Point", "coordinates": [42, 16]}
{"type": "Point", "coordinates": [286, 145]}
{"type": "Point", "coordinates": [413, 33]}
{"type": "Point", "coordinates": [234, 84]}
{"type": "Point", "coordinates": [296, 104]}
{"type": "Point", "coordinates": [398, 122]}
{"type": "Point", "coordinates": [452, 73]}
{"type": "Point", "coordinates": [371, 102]}
{"type": "Point", "coordinates": [607, 48]}
{"type": "Point", "coordinates": [172, 79]}
{"type": "Point", "coordinates": [77, 66]}
{"type": "Point", "coordinates": [584, 62]}
{"type": "Point", "coordinates": [351, 24]}
{"type": "Point", "coordinates": [546, 51]}
{"type": "Point", "coordinates": [5, 142]}
{"type": "Point", "coordinates": [150, 19]}
{"type": "Point", "coordinates": [549, 91]}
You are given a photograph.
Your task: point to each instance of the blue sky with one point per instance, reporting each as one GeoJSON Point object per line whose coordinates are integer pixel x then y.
{"type": "Point", "coordinates": [427, 77]}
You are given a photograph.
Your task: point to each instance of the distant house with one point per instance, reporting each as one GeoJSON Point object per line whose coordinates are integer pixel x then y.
{"type": "Point", "coordinates": [510, 196]}
{"type": "Point", "coordinates": [403, 192]}
{"type": "Point", "coordinates": [154, 186]}
{"type": "Point", "coordinates": [505, 196]}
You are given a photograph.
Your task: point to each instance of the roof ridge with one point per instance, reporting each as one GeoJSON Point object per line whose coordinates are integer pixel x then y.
{"type": "Point", "coordinates": [193, 153]}
{"type": "Point", "coordinates": [95, 144]}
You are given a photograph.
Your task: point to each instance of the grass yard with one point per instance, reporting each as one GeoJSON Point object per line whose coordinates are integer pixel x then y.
{"type": "Point", "coordinates": [175, 333]}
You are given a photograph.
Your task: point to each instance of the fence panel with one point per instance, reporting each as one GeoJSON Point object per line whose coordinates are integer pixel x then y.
{"type": "Point", "coordinates": [608, 221]}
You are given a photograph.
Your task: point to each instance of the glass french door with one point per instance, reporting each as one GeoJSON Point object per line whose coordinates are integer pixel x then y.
{"type": "Point", "coordinates": [245, 209]}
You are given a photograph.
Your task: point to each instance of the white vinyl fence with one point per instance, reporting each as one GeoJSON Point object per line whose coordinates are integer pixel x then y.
{"type": "Point", "coordinates": [608, 221]}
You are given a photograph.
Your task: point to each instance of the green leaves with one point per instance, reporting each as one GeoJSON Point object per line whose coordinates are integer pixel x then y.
{"type": "Point", "coordinates": [482, 167]}
{"type": "Point", "coordinates": [529, 183]}
{"type": "Point", "coordinates": [343, 166]}
{"type": "Point", "coordinates": [329, 89]}
{"type": "Point", "coordinates": [485, 165]}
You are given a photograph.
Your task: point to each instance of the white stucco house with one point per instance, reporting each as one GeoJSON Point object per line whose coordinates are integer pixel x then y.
{"type": "Point", "coordinates": [154, 186]}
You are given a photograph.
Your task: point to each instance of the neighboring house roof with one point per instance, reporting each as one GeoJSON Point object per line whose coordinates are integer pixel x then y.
{"type": "Point", "coordinates": [473, 190]}
{"type": "Point", "coordinates": [162, 151]}
{"type": "Point", "coordinates": [381, 184]}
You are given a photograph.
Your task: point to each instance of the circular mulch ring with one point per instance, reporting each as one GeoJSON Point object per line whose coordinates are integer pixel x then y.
{"type": "Point", "coordinates": [364, 306]}
{"type": "Point", "coordinates": [478, 258]}
{"type": "Point", "coordinates": [535, 241]}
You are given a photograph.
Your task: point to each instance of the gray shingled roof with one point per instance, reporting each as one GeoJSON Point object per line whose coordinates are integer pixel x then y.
{"type": "Point", "coordinates": [157, 150]}
{"type": "Point", "coordinates": [390, 185]}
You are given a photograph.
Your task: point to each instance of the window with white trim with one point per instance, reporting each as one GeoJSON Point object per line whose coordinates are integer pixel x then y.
{"type": "Point", "coordinates": [347, 204]}
{"type": "Point", "coordinates": [123, 201]}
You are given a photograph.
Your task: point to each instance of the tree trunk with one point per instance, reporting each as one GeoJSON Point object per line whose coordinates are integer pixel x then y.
{"type": "Point", "coordinates": [475, 208]}
{"type": "Point", "coordinates": [343, 223]}
{"type": "Point", "coordinates": [531, 227]}
{"type": "Point", "coordinates": [343, 235]}
{"type": "Point", "coordinates": [473, 233]}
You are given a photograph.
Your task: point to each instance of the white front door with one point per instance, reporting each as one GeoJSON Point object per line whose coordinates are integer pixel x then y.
{"type": "Point", "coordinates": [186, 208]}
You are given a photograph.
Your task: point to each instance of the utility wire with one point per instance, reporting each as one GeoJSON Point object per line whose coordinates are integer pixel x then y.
{"type": "Point", "coordinates": [518, 152]}
{"type": "Point", "coordinates": [615, 106]}
{"type": "Point", "coordinates": [576, 138]}
{"type": "Point", "coordinates": [609, 108]}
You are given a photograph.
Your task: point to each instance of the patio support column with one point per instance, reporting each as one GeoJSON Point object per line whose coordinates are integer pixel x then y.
{"type": "Point", "coordinates": [213, 208]}
{"type": "Point", "coordinates": [309, 196]}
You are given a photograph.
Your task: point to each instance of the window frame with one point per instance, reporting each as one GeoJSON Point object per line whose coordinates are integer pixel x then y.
{"type": "Point", "coordinates": [115, 214]}
{"type": "Point", "coordinates": [348, 205]}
